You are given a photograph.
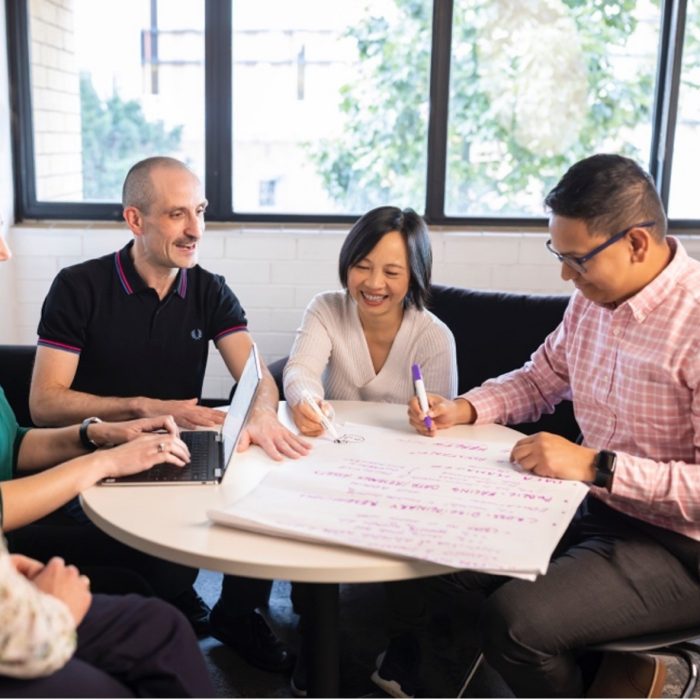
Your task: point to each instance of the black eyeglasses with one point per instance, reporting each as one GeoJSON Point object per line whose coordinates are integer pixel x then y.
{"type": "Point", "coordinates": [578, 263]}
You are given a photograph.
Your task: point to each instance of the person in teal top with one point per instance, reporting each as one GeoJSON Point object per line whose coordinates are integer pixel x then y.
{"type": "Point", "coordinates": [10, 438]}
{"type": "Point", "coordinates": [67, 467]}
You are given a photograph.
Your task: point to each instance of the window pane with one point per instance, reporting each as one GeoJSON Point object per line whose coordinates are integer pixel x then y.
{"type": "Point", "coordinates": [536, 86]}
{"type": "Point", "coordinates": [683, 196]}
{"type": "Point", "coordinates": [113, 83]}
{"type": "Point", "coordinates": [330, 104]}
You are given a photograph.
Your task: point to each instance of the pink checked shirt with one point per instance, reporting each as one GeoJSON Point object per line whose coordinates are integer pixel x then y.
{"type": "Point", "coordinates": [634, 375]}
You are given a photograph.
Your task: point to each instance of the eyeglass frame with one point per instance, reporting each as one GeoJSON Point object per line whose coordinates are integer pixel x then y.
{"type": "Point", "coordinates": [578, 263]}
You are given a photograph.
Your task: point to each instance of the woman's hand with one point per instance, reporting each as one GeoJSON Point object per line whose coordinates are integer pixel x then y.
{"type": "Point", "coordinates": [306, 419]}
{"type": "Point", "coordinates": [116, 433]}
{"type": "Point", "coordinates": [142, 453]}
{"type": "Point", "coordinates": [26, 566]}
{"type": "Point", "coordinates": [66, 584]}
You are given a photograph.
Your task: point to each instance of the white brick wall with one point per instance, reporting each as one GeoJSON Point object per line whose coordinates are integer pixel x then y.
{"type": "Point", "coordinates": [276, 271]}
{"type": "Point", "coordinates": [55, 101]}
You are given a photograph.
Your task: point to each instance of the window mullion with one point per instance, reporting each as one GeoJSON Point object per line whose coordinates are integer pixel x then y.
{"type": "Point", "coordinates": [439, 101]}
{"type": "Point", "coordinates": [218, 108]}
{"type": "Point", "coordinates": [667, 90]}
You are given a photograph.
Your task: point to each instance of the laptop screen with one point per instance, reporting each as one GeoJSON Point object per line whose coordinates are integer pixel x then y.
{"type": "Point", "coordinates": [242, 402]}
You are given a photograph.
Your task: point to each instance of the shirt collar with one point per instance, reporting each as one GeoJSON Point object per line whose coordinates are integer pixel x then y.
{"type": "Point", "coordinates": [658, 290]}
{"type": "Point", "coordinates": [131, 281]}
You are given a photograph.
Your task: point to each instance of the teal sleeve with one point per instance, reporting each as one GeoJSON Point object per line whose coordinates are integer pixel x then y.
{"type": "Point", "coordinates": [11, 436]}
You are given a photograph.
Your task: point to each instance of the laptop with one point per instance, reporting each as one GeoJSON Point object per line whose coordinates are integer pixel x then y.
{"type": "Point", "coordinates": [211, 451]}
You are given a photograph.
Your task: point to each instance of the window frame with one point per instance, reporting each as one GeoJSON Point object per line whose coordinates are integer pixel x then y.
{"type": "Point", "coordinates": [219, 93]}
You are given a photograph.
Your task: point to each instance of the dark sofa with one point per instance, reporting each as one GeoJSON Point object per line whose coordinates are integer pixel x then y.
{"type": "Point", "coordinates": [495, 332]}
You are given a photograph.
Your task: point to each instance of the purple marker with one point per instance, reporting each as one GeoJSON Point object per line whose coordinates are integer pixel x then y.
{"type": "Point", "coordinates": [422, 396]}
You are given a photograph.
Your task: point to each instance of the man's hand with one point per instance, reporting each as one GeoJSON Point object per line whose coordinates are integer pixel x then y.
{"type": "Point", "coordinates": [264, 429]}
{"type": "Point", "coordinates": [66, 584]}
{"type": "Point", "coordinates": [187, 413]}
{"type": "Point", "coordinates": [443, 412]}
{"type": "Point", "coordinates": [26, 566]}
{"type": "Point", "coordinates": [115, 433]}
{"type": "Point", "coordinates": [555, 457]}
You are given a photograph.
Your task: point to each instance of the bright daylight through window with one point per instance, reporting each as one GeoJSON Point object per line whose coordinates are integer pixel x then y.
{"type": "Point", "coordinates": [535, 87]}
{"type": "Point", "coordinates": [111, 83]}
{"type": "Point", "coordinates": [327, 109]}
{"type": "Point", "coordinates": [330, 103]}
{"type": "Point", "coordinates": [683, 200]}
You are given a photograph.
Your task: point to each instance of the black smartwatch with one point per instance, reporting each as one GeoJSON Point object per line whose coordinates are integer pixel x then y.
{"type": "Point", "coordinates": [85, 440]}
{"type": "Point", "coordinates": [604, 465]}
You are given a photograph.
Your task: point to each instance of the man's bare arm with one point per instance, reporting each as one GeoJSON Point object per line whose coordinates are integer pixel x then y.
{"type": "Point", "coordinates": [53, 403]}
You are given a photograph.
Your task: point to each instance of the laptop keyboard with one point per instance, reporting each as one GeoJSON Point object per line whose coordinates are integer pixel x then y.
{"type": "Point", "coordinates": [204, 452]}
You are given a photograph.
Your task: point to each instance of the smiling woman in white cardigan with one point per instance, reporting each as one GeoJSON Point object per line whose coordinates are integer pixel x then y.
{"type": "Point", "coordinates": [360, 343]}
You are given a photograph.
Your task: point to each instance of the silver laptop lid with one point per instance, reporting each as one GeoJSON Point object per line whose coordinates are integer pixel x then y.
{"type": "Point", "coordinates": [243, 399]}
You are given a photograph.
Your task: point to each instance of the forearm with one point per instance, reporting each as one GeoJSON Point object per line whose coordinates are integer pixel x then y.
{"type": "Point", "coordinates": [299, 376]}
{"type": "Point", "coordinates": [45, 447]}
{"type": "Point", "coordinates": [29, 498]}
{"type": "Point", "coordinates": [308, 359]}
{"type": "Point", "coordinates": [519, 396]}
{"type": "Point", "coordinates": [60, 406]}
{"type": "Point", "coordinates": [268, 395]}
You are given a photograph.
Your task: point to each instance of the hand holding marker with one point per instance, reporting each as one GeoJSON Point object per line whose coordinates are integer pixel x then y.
{"type": "Point", "coordinates": [325, 421]}
{"type": "Point", "coordinates": [422, 396]}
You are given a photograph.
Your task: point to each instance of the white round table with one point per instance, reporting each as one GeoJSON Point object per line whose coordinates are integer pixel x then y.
{"type": "Point", "coordinates": [171, 522]}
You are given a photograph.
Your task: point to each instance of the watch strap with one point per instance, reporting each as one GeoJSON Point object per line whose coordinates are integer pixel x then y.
{"type": "Point", "coordinates": [85, 440]}
{"type": "Point", "coordinates": [605, 463]}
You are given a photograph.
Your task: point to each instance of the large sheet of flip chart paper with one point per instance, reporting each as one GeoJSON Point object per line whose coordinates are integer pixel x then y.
{"type": "Point", "coordinates": [447, 500]}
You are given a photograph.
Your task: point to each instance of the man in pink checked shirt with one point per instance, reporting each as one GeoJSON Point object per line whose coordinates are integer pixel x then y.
{"type": "Point", "coordinates": [628, 354]}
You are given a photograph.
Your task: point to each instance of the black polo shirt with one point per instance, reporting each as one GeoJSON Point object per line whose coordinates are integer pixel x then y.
{"type": "Point", "coordinates": [130, 342]}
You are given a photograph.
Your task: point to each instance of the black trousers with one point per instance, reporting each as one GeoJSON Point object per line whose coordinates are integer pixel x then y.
{"type": "Point", "coordinates": [611, 577]}
{"type": "Point", "coordinates": [240, 595]}
{"type": "Point", "coordinates": [128, 646]}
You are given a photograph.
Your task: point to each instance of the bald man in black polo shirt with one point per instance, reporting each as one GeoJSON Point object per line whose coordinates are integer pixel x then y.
{"type": "Point", "coordinates": [126, 335]}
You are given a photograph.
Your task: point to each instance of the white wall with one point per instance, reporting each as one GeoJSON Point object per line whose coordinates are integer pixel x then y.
{"type": "Point", "coordinates": [276, 271]}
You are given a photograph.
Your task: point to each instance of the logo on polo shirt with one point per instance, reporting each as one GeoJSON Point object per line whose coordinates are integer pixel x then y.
{"type": "Point", "coordinates": [197, 334]}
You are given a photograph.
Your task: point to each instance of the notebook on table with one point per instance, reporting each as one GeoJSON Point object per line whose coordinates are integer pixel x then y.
{"type": "Point", "coordinates": [211, 450]}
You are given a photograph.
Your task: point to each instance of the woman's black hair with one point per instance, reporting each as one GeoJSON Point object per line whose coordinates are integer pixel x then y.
{"type": "Point", "coordinates": [371, 227]}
